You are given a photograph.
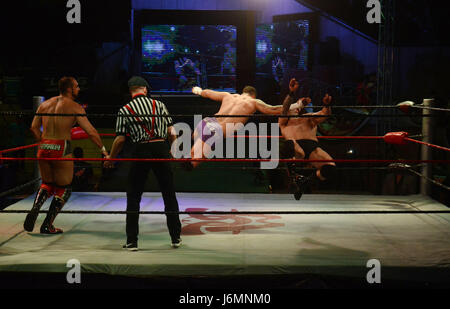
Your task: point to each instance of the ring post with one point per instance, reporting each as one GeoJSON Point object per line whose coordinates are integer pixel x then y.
{"type": "Point", "coordinates": [37, 100]}
{"type": "Point", "coordinates": [427, 133]}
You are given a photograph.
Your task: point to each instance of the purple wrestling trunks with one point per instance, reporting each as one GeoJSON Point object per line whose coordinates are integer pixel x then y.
{"type": "Point", "coordinates": [207, 128]}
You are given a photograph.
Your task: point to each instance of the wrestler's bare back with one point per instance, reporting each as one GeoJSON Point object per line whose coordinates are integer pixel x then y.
{"type": "Point", "coordinates": [236, 104]}
{"type": "Point", "coordinates": [58, 127]}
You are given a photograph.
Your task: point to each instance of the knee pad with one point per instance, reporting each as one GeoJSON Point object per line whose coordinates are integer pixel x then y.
{"type": "Point", "coordinates": [328, 171]}
{"type": "Point", "coordinates": [48, 187]}
{"type": "Point", "coordinates": [287, 150]}
{"type": "Point", "coordinates": [63, 193]}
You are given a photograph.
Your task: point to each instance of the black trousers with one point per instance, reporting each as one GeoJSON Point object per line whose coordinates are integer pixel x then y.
{"type": "Point", "coordinates": [136, 180]}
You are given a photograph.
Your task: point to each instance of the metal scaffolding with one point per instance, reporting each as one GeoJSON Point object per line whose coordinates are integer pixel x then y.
{"type": "Point", "coordinates": [385, 64]}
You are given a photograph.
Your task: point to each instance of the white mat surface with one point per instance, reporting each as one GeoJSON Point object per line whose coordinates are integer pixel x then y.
{"type": "Point", "coordinates": [408, 246]}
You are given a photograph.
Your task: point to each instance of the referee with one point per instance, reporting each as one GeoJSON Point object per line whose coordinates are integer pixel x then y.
{"type": "Point", "coordinates": [149, 135]}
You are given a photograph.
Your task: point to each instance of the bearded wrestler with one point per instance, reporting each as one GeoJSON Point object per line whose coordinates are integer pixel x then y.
{"type": "Point", "coordinates": [55, 142]}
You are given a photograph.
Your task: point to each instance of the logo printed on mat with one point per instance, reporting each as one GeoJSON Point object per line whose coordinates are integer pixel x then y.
{"type": "Point", "coordinates": [199, 224]}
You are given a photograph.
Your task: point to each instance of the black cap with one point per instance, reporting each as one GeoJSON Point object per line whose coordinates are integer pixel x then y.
{"type": "Point", "coordinates": [137, 81]}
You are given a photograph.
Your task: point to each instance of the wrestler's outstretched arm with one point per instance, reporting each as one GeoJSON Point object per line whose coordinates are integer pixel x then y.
{"type": "Point", "coordinates": [288, 100]}
{"type": "Point", "coordinates": [326, 111]}
{"type": "Point", "coordinates": [278, 109]}
{"type": "Point", "coordinates": [272, 109]}
{"type": "Point", "coordinates": [86, 125]}
{"type": "Point", "coordinates": [210, 94]}
{"type": "Point", "coordinates": [287, 103]}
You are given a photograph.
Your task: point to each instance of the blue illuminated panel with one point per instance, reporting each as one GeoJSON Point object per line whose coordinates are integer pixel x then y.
{"type": "Point", "coordinates": [281, 47]}
{"type": "Point", "coordinates": [177, 57]}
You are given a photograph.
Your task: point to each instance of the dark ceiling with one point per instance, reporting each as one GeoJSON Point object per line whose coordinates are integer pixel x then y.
{"type": "Point", "coordinates": [417, 22]}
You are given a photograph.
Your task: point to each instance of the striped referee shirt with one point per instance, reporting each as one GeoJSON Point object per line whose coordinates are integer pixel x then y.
{"type": "Point", "coordinates": [143, 129]}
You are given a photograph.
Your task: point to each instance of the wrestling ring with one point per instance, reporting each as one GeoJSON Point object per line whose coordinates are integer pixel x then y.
{"type": "Point", "coordinates": [244, 235]}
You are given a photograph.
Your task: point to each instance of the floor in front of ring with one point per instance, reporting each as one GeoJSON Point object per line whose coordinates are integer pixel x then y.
{"type": "Point", "coordinates": [407, 245]}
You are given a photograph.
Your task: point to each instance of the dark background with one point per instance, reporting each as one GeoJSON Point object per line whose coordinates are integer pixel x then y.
{"type": "Point", "coordinates": [38, 43]}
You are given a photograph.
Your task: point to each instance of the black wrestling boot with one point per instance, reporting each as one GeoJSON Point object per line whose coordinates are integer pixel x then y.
{"type": "Point", "coordinates": [55, 207]}
{"type": "Point", "coordinates": [30, 220]}
{"type": "Point", "coordinates": [296, 183]}
{"type": "Point", "coordinates": [300, 182]}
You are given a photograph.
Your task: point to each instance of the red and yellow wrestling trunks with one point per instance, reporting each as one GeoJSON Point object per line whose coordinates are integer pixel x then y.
{"type": "Point", "coordinates": [54, 148]}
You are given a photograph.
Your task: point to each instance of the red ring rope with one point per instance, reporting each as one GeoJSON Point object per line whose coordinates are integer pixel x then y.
{"type": "Point", "coordinates": [321, 137]}
{"type": "Point", "coordinates": [18, 148]}
{"type": "Point", "coordinates": [279, 136]}
{"type": "Point", "coordinates": [232, 160]}
{"type": "Point", "coordinates": [426, 144]}
{"type": "Point", "coordinates": [245, 160]}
